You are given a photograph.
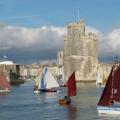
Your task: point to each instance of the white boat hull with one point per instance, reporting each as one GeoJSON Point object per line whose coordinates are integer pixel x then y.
{"type": "Point", "coordinates": [108, 110]}
{"type": "Point", "coordinates": [36, 91]}
{"type": "Point", "coordinates": [4, 91]}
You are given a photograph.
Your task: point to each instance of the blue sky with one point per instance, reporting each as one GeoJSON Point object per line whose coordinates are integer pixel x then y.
{"type": "Point", "coordinates": [24, 25]}
{"type": "Point", "coordinates": [101, 14]}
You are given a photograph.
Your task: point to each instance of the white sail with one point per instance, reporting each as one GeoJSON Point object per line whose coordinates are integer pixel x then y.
{"type": "Point", "coordinates": [98, 78]}
{"type": "Point", "coordinates": [50, 81]}
{"type": "Point", "coordinates": [47, 80]}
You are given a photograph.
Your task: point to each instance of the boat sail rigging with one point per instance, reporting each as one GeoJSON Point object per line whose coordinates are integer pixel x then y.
{"type": "Point", "coordinates": [111, 93]}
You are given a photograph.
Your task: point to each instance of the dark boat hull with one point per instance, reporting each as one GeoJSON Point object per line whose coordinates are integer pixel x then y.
{"type": "Point", "coordinates": [45, 90]}
{"type": "Point", "coordinates": [63, 85]}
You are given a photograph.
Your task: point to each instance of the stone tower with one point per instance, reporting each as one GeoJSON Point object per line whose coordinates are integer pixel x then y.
{"type": "Point", "coordinates": [80, 52]}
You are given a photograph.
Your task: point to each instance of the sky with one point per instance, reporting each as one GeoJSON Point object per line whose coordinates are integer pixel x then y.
{"type": "Point", "coordinates": [33, 30]}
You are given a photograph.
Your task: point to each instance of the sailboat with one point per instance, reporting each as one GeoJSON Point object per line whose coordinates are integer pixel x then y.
{"type": "Point", "coordinates": [4, 84]}
{"type": "Point", "coordinates": [71, 90]}
{"type": "Point", "coordinates": [98, 79]}
{"type": "Point", "coordinates": [110, 99]}
{"type": "Point", "coordinates": [46, 82]}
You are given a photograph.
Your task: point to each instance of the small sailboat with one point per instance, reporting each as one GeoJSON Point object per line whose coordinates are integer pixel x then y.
{"type": "Point", "coordinates": [71, 90]}
{"type": "Point", "coordinates": [46, 82]}
{"type": "Point", "coordinates": [4, 84]}
{"type": "Point", "coordinates": [109, 102]}
{"type": "Point", "coordinates": [98, 79]}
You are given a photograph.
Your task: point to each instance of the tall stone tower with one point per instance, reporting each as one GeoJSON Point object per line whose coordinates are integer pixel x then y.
{"type": "Point", "coordinates": [80, 52]}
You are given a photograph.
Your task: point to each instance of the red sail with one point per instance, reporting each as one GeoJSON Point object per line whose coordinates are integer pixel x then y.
{"type": "Point", "coordinates": [4, 84]}
{"type": "Point", "coordinates": [71, 84]}
{"type": "Point", "coordinates": [116, 84]}
{"type": "Point", "coordinates": [105, 99]}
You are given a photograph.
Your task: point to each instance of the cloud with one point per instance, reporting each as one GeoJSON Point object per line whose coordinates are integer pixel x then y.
{"type": "Point", "coordinates": [44, 41]}
{"type": "Point", "coordinates": [93, 30]}
{"type": "Point", "coordinates": [109, 43]}
{"type": "Point", "coordinates": [113, 41]}
{"type": "Point", "coordinates": [30, 39]}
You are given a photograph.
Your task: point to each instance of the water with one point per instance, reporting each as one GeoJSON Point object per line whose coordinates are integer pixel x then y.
{"type": "Point", "coordinates": [22, 104]}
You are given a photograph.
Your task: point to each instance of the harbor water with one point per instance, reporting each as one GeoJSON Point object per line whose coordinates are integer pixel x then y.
{"type": "Point", "coordinates": [23, 104]}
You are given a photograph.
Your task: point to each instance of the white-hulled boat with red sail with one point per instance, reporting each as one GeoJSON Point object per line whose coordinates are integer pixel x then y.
{"type": "Point", "coordinates": [4, 84]}
{"type": "Point", "coordinates": [71, 90]}
{"type": "Point", "coordinates": [46, 82]}
{"type": "Point", "coordinates": [109, 102]}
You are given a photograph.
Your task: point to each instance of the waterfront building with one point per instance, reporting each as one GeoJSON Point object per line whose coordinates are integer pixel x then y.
{"type": "Point", "coordinates": [24, 70]}
{"type": "Point", "coordinates": [80, 52]}
{"type": "Point", "coordinates": [34, 70]}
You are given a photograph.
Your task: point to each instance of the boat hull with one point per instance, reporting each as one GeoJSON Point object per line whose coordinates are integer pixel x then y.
{"type": "Point", "coordinates": [64, 85]}
{"type": "Point", "coordinates": [4, 91]}
{"type": "Point", "coordinates": [45, 90]}
{"type": "Point", "coordinates": [108, 110]}
{"type": "Point", "coordinates": [64, 102]}
{"type": "Point", "coordinates": [48, 90]}
{"type": "Point", "coordinates": [36, 91]}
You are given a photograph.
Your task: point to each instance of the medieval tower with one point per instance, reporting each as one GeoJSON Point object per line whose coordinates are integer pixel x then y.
{"type": "Point", "coordinates": [80, 52]}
